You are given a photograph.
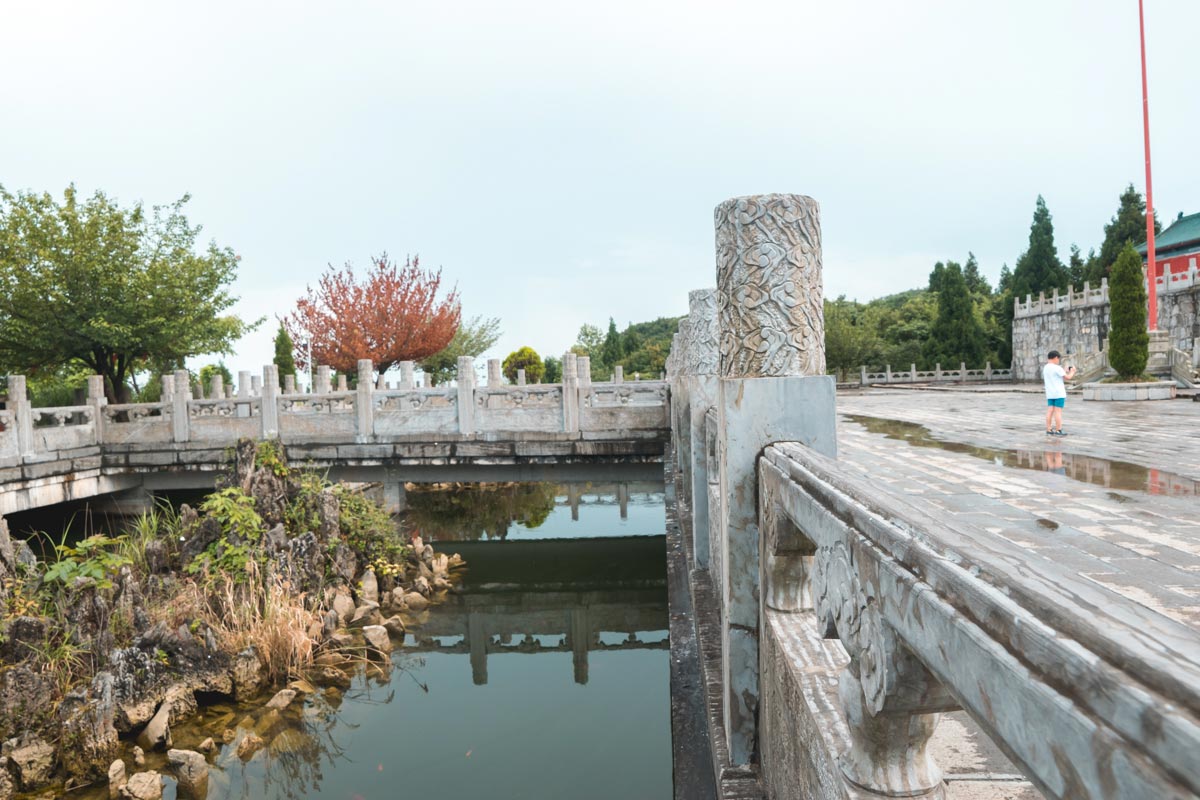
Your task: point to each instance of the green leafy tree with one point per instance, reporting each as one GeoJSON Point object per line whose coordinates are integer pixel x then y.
{"type": "Point", "coordinates": [976, 283]}
{"type": "Point", "coordinates": [552, 369]}
{"type": "Point", "coordinates": [527, 359]}
{"type": "Point", "coordinates": [1039, 269]}
{"type": "Point", "coordinates": [850, 340]}
{"type": "Point", "coordinates": [589, 342]}
{"type": "Point", "coordinates": [957, 334]}
{"type": "Point", "coordinates": [285, 352]}
{"type": "Point", "coordinates": [1128, 341]}
{"type": "Point", "coordinates": [207, 372]}
{"type": "Point", "coordinates": [1127, 227]}
{"type": "Point", "coordinates": [88, 282]}
{"type": "Point", "coordinates": [473, 337]}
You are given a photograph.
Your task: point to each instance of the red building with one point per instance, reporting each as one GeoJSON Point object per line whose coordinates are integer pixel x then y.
{"type": "Point", "coordinates": [1177, 249]}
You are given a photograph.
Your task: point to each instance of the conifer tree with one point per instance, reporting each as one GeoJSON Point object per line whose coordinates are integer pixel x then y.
{"type": "Point", "coordinates": [957, 334]}
{"type": "Point", "coordinates": [1039, 269]}
{"type": "Point", "coordinates": [284, 354]}
{"type": "Point", "coordinates": [1128, 341]}
{"type": "Point", "coordinates": [612, 350]}
{"type": "Point", "coordinates": [1127, 227]}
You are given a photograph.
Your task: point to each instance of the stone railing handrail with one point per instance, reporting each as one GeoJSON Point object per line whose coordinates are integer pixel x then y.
{"type": "Point", "coordinates": [1042, 304]}
{"type": "Point", "coordinates": [936, 617]}
{"type": "Point", "coordinates": [364, 414]}
{"type": "Point", "coordinates": [935, 375]}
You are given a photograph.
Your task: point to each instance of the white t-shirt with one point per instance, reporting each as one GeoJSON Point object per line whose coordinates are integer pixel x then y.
{"type": "Point", "coordinates": [1052, 376]}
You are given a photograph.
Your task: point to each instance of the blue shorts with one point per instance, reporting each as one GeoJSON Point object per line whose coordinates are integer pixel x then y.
{"type": "Point", "coordinates": [1057, 402]}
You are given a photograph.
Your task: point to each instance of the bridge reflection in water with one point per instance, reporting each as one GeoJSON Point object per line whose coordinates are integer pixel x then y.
{"type": "Point", "coordinates": [531, 597]}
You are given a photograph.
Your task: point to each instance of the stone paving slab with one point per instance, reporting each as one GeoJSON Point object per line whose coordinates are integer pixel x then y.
{"type": "Point", "coordinates": [1017, 483]}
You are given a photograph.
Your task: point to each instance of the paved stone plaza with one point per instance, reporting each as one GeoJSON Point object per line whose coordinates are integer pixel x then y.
{"type": "Point", "coordinates": [1133, 528]}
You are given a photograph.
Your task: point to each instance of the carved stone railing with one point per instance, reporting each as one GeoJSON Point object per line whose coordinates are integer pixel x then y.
{"type": "Point", "coordinates": [1090, 693]}
{"type": "Point", "coordinates": [365, 414]}
{"type": "Point", "coordinates": [935, 375]}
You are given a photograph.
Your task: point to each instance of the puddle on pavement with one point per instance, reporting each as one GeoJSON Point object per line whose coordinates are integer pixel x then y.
{"type": "Point", "coordinates": [1088, 469]}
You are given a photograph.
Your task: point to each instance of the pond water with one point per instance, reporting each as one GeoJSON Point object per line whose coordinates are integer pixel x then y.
{"type": "Point", "coordinates": [545, 677]}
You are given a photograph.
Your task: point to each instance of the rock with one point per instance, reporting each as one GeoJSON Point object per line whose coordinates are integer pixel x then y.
{"type": "Point", "coordinates": [345, 562]}
{"type": "Point", "coordinates": [143, 786]}
{"type": "Point", "coordinates": [88, 741]}
{"type": "Point", "coordinates": [440, 565]}
{"type": "Point", "coordinates": [331, 676]}
{"type": "Point", "coordinates": [394, 626]}
{"type": "Point", "coordinates": [415, 601]}
{"type": "Point", "coordinates": [197, 537]}
{"type": "Point", "coordinates": [377, 639]}
{"type": "Point", "coordinates": [250, 744]}
{"type": "Point", "coordinates": [32, 763]}
{"type": "Point", "coordinates": [398, 597]}
{"type": "Point", "coordinates": [23, 637]}
{"type": "Point", "coordinates": [180, 702]}
{"type": "Point", "coordinates": [329, 515]}
{"type": "Point", "coordinates": [421, 585]}
{"type": "Point", "coordinates": [282, 699]}
{"type": "Point", "coordinates": [442, 585]}
{"type": "Point", "coordinates": [267, 722]}
{"type": "Point", "coordinates": [301, 686]}
{"type": "Point", "coordinates": [343, 605]}
{"type": "Point", "coordinates": [25, 556]}
{"type": "Point", "coordinates": [366, 614]}
{"type": "Point", "coordinates": [158, 560]}
{"type": "Point", "coordinates": [424, 572]}
{"type": "Point", "coordinates": [22, 704]}
{"type": "Point", "coordinates": [276, 540]}
{"type": "Point", "coordinates": [208, 745]}
{"type": "Point", "coordinates": [228, 736]}
{"type": "Point", "coordinates": [427, 554]}
{"type": "Point", "coordinates": [248, 675]}
{"type": "Point", "coordinates": [192, 771]}
{"type": "Point", "coordinates": [116, 778]}
{"type": "Point", "coordinates": [418, 546]}
{"type": "Point", "coordinates": [139, 756]}
{"type": "Point", "coordinates": [342, 641]}
{"type": "Point", "coordinates": [7, 789]}
{"type": "Point", "coordinates": [304, 562]}
{"type": "Point", "coordinates": [157, 733]}
{"type": "Point", "coordinates": [370, 587]}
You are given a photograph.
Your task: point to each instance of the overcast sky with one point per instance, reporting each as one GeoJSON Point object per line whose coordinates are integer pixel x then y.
{"type": "Point", "coordinates": [561, 161]}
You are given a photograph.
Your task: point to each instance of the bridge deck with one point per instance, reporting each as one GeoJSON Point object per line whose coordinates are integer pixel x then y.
{"type": "Point", "coordinates": [1131, 529]}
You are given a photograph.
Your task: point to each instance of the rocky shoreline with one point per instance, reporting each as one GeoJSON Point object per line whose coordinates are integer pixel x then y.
{"type": "Point", "coordinates": [278, 579]}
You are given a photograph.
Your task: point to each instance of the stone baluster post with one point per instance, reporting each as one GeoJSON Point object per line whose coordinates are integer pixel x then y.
{"type": "Point", "coordinates": [217, 387]}
{"type": "Point", "coordinates": [679, 399]}
{"type": "Point", "coordinates": [97, 400]}
{"type": "Point", "coordinates": [268, 400]}
{"type": "Point", "coordinates": [324, 380]}
{"type": "Point", "coordinates": [343, 385]}
{"type": "Point", "coordinates": [22, 413]}
{"type": "Point", "coordinates": [256, 385]}
{"type": "Point", "coordinates": [987, 372]}
{"type": "Point", "coordinates": [570, 382]}
{"type": "Point", "coordinates": [962, 371]}
{"type": "Point", "coordinates": [466, 394]}
{"type": "Point", "coordinates": [862, 375]}
{"type": "Point", "coordinates": [912, 373]}
{"type": "Point", "coordinates": [289, 384]}
{"type": "Point", "coordinates": [406, 375]}
{"type": "Point", "coordinates": [180, 424]}
{"type": "Point", "coordinates": [495, 377]}
{"type": "Point", "coordinates": [364, 402]}
{"type": "Point", "coordinates": [618, 374]}
{"type": "Point", "coordinates": [243, 384]}
{"type": "Point", "coordinates": [700, 378]}
{"type": "Point", "coordinates": [167, 387]}
{"type": "Point", "coordinates": [772, 388]}
{"type": "Point", "coordinates": [380, 383]}
{"type": "Point", "coordinates": [584, 366]}
{"type": "Point", "coordinates": [937, 372]}
{"type": "Point", "coordinates": [887, 369]}
{"type": "Point", "coordinates": [520, 377]}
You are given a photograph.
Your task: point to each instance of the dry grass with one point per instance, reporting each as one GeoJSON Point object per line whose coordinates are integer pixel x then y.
{"type": "Point", "coordinates": [260, 610]}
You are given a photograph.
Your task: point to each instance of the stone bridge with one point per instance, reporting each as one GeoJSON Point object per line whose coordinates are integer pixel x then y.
{"type": "Point", "coordinates": [835, 621]}
{"type": "Point", "coordinates": [373, 432]}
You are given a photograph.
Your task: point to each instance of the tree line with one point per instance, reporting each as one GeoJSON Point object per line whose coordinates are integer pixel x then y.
{"type": "Point", "coordinates": [958, 317]}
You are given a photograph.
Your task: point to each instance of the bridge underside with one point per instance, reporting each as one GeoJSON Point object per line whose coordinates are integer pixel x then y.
{"type": "Point", "coordinates": [87, 472]}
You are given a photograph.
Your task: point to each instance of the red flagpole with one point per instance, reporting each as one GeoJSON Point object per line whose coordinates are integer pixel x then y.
{"type": "Point", "coordinates": [1151, 270]}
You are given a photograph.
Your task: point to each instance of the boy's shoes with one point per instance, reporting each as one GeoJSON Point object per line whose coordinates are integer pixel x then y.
{"type": "Point", "coordinates": [1051, 433]}
{"type": "Point", "coordinates": [1059, 433]}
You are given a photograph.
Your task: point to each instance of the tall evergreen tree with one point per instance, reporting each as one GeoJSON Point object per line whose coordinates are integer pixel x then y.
{"type": "Point", "coordinates": [957, 334]}
{"type": "Point", "coordinates": [1039, 269]}
{"type": "Point", "coordinates": [935, 277]}
{"type": "Point", "coordinates": [1076, 267]}
{"type": "Point", "coordinates": [612, 350]}
{"type": "Point", "coordinates": [976, 283]}
{"type": "Point", "coordinates": [1127, 227]}
{"type": "Point", "coordinates": [1128, 341]}
{"type": "Point", "coordinates": [284, 354]}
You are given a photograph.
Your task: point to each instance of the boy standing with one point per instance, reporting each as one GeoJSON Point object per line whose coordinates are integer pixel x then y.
{"type": "Point", "coordinates": [1053, 376]}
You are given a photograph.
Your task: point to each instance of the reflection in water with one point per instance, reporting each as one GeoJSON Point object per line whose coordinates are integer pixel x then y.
{"type": "Point", "coordinates": [469, 512]}
{"type": "Point", "coordinates": [1089, 469]}
{"type": "Point", "coordinates": [546, 676]}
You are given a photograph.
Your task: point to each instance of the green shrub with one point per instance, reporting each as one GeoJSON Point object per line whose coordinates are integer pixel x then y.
{"type": "Point", "coordinates": [96, 557]}
{"type": "Point", "coordinates": [1128, 341]}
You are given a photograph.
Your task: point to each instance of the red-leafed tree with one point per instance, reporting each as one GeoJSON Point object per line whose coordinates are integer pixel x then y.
{"type": "Point", "coordinates": [394, 314]}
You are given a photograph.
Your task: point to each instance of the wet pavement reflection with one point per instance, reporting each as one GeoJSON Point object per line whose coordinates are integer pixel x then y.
{"type": "Point", "coordinates": [1120, 475]}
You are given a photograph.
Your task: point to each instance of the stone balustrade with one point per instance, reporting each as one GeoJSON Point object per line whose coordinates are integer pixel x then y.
{"type": "Point", "coordinates": [836, 621]}
{"type": "Point", "coordinates": [1167, 283]}
{"type": "Point", "coordinates": [935, 375]}
{"type": "Point", "coordinates": [51, 455]}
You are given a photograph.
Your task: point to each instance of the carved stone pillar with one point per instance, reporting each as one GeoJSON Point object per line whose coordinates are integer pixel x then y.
{"type": "Point", "coordinates": [520, 377]}
{"type": "Point", "coordinates": [406, 375]}
{"type": "Point", "coordinates": [466, 394]}
{"type": "Point", "coordinates": [570, 384]}
{"type": "Point", "coordinates": [324, 383]}
{"type": "Point", "coordinates": [701, 380]}
{"type": "Point", "coordinates": [772, 388]}
{"type": "Point", "coordinates": [364, 401]}
{"type": "Point", "coordinates": [180, 424]}
{"type": "Point", "coordinates": [495, 379]}
{"type": "Point", "coordinates": [22, 412]}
